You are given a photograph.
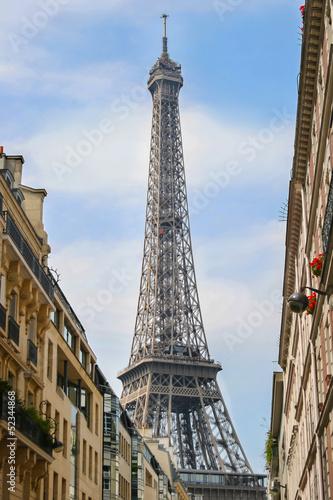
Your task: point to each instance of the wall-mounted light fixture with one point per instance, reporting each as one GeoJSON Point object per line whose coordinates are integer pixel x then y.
{"type": "Point", "coordinates": [275, 488]}
{"type": "Point", "coordinates": [298, 301]}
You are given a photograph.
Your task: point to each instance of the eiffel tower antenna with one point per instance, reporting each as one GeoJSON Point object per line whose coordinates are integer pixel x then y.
{"type": "Point", "coordinates": [169, 385]}
{"type": "Point", "coordinates": [164, 40]}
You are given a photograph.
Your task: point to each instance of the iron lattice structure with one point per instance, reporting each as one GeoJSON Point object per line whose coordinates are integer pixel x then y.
{"type": "Point", "coordinates": [170, 383]}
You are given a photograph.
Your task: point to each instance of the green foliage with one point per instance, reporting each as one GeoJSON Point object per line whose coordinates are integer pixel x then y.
{"type": "Point", "coordinates": [45, 424]}
{"type": "Point", "coordinates": [5, 387]}
{"type": "Point", "coordinates": [268, 453]}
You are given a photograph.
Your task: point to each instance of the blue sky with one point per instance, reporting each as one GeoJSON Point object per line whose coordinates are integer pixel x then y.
{"type": "Point", "coordinates": [74, 103]}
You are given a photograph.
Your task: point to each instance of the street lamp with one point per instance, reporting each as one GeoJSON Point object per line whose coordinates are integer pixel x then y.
{"type": "Point", "coordinates": [298, 301]}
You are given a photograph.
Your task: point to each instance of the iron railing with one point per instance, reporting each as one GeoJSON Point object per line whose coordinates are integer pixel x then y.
{"type": "Point", "coordinates": [32, 352]}
{"type": "Point", "coordinates": [13, 330]}
{"type": "Point", "coordinates": [218, 479]}
{"type": "Point", "coordinates": [3, 316]}
{"type": "Point", "coordinates": [13, 231]}
{"type": "Point", "coordinates": [328, 219]}
{"type": "Point", "coordinates": [171, 357]}
{"type": "Point", "coordinates": [25, 424]}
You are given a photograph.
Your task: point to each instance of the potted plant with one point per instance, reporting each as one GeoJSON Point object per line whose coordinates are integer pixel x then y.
{"type": "Point", "coordinates": [316, 265]}
{"type": "Point", "coordinates": [312, 303]}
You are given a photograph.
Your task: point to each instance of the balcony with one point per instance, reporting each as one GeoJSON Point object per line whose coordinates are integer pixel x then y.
{"type": "Point", "coordinates": [15, 234]}
{"type": "Point", "coordinates": [3, 316]}
{"type": "Point", "coordinates": [26, 425]}
{"type": "Point", "coordinates": [32, 352]}
{"type": "Point", "coordinates": [13, 330]}
{"type": "Point", "coordinates": [328, 219]}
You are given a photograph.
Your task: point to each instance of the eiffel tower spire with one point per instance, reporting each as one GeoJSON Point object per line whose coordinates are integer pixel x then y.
{"type": "Point", "coordinates": [170, 383]}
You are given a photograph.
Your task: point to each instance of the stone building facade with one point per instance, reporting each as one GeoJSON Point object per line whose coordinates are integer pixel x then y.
{"type": "Point", "coordinates": [300, 449]}
{"type": "Point", "coordinates": [45, 359]}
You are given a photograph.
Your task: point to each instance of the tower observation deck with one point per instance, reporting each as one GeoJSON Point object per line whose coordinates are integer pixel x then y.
{"type": "Point", "coordinates": [169, 385]}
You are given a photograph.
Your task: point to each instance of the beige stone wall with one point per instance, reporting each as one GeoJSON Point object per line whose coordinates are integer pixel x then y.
{"type": "Point", "coordinates": [125, 471]}
{"type": "Point", "coordinates": [88, 430]}
{"type": "Point", "coordinates": [306, 349]}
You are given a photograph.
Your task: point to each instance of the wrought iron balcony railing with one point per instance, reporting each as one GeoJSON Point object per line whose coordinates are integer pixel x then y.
{"type": "Point", "coordinates": [13, 231]}
{"type": "Point", "coordinates": [13, 330]}
{"type": "Point", "coordinates": [32, 352]}
{"type": "Point", "coordinates": [328, 219]}
{"type": "Point", "coordinates": [3, 316]}
{"type": "Point", "coordinates": [25, 424]}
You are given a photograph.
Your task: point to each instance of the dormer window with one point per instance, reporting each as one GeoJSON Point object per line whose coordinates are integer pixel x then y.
{"type": "Point", "coordinates": [8, 176]}
{"type": "Point", "coordinates": [18, 195]}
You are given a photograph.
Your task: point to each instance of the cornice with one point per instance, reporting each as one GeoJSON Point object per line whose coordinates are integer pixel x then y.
{"type": "Point", "coordinates": [313, 25]}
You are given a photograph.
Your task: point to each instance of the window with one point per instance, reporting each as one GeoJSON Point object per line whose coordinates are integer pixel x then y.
{"type": "Point", "coordinates": [84, 457]}
{"type": "Point", "coordinates": [48, 409]}
{"type": "Point", "coordinates": [106, 484]}
{"type": "Point", "coordinates": [30, 399]}
{"type": "Point", "coordinates": [18, 195]}
{"type": "Point", "coordinates": [55, 486]}
{"type": "Point", "coordinates": [9, 178]}
{"type": "Point", "coordinates": [63, 490]}
{"type": "Point", "coordinates": [57, 421]}
{"type": "Point", "coordinates": [96, 418]}
{"type": "Point", "coordinates": [69, 337]}
{"type": "Point", "coordinates": [12, 306]}
{"type": "Point", "coordinates": [32, 330]}
{"type": "Point", "coordinates": [149, 478]}
{"type": "Point", "coordinates": [107, 422]}
{"type": "Point", "coordinates": [90, 462]}
{"type": "Point", "coordinates": [50, 360]}
{"type": "Point", "coordinates": [55, 316]}
{"type": "Point", "coordinates": [85, 404]}
{"type": "Point", "coordinates": [65, 431]}
{"type": "Point", "coordinates": [96, 467]}
{"type": "Point", "coordinates": [83, 358]}
{"type": "Point", "coordinates": [91, 369]}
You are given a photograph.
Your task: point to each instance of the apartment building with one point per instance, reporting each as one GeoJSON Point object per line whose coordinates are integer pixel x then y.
{"type": "Point", "coordinates": [136, 466]}
{"type": "Point", "coordinates": [299, 448]}
{"type": "Point", "coordinates": [46, 359]}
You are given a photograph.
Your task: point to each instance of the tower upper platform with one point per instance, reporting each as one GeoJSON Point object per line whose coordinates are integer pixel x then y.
{"type": "Point", "coordinates": [165, 68]}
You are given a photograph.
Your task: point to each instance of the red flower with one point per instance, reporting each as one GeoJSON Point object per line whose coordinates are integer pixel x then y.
{"type": "Point", "coordinates": [312, 303]}
{"type": "Point", "coordinates": [317, 264]}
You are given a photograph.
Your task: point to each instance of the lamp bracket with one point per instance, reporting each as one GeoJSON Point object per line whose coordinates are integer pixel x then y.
{"type": "Point", "coordinates": [320, 292]}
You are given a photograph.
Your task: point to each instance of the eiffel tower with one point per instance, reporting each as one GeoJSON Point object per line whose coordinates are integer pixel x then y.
{"type": "Point", "coordinates": [170, 383]}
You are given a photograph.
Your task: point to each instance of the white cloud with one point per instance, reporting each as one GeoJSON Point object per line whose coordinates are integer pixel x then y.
{"type": "Point", "coordinates": [76, 157]}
